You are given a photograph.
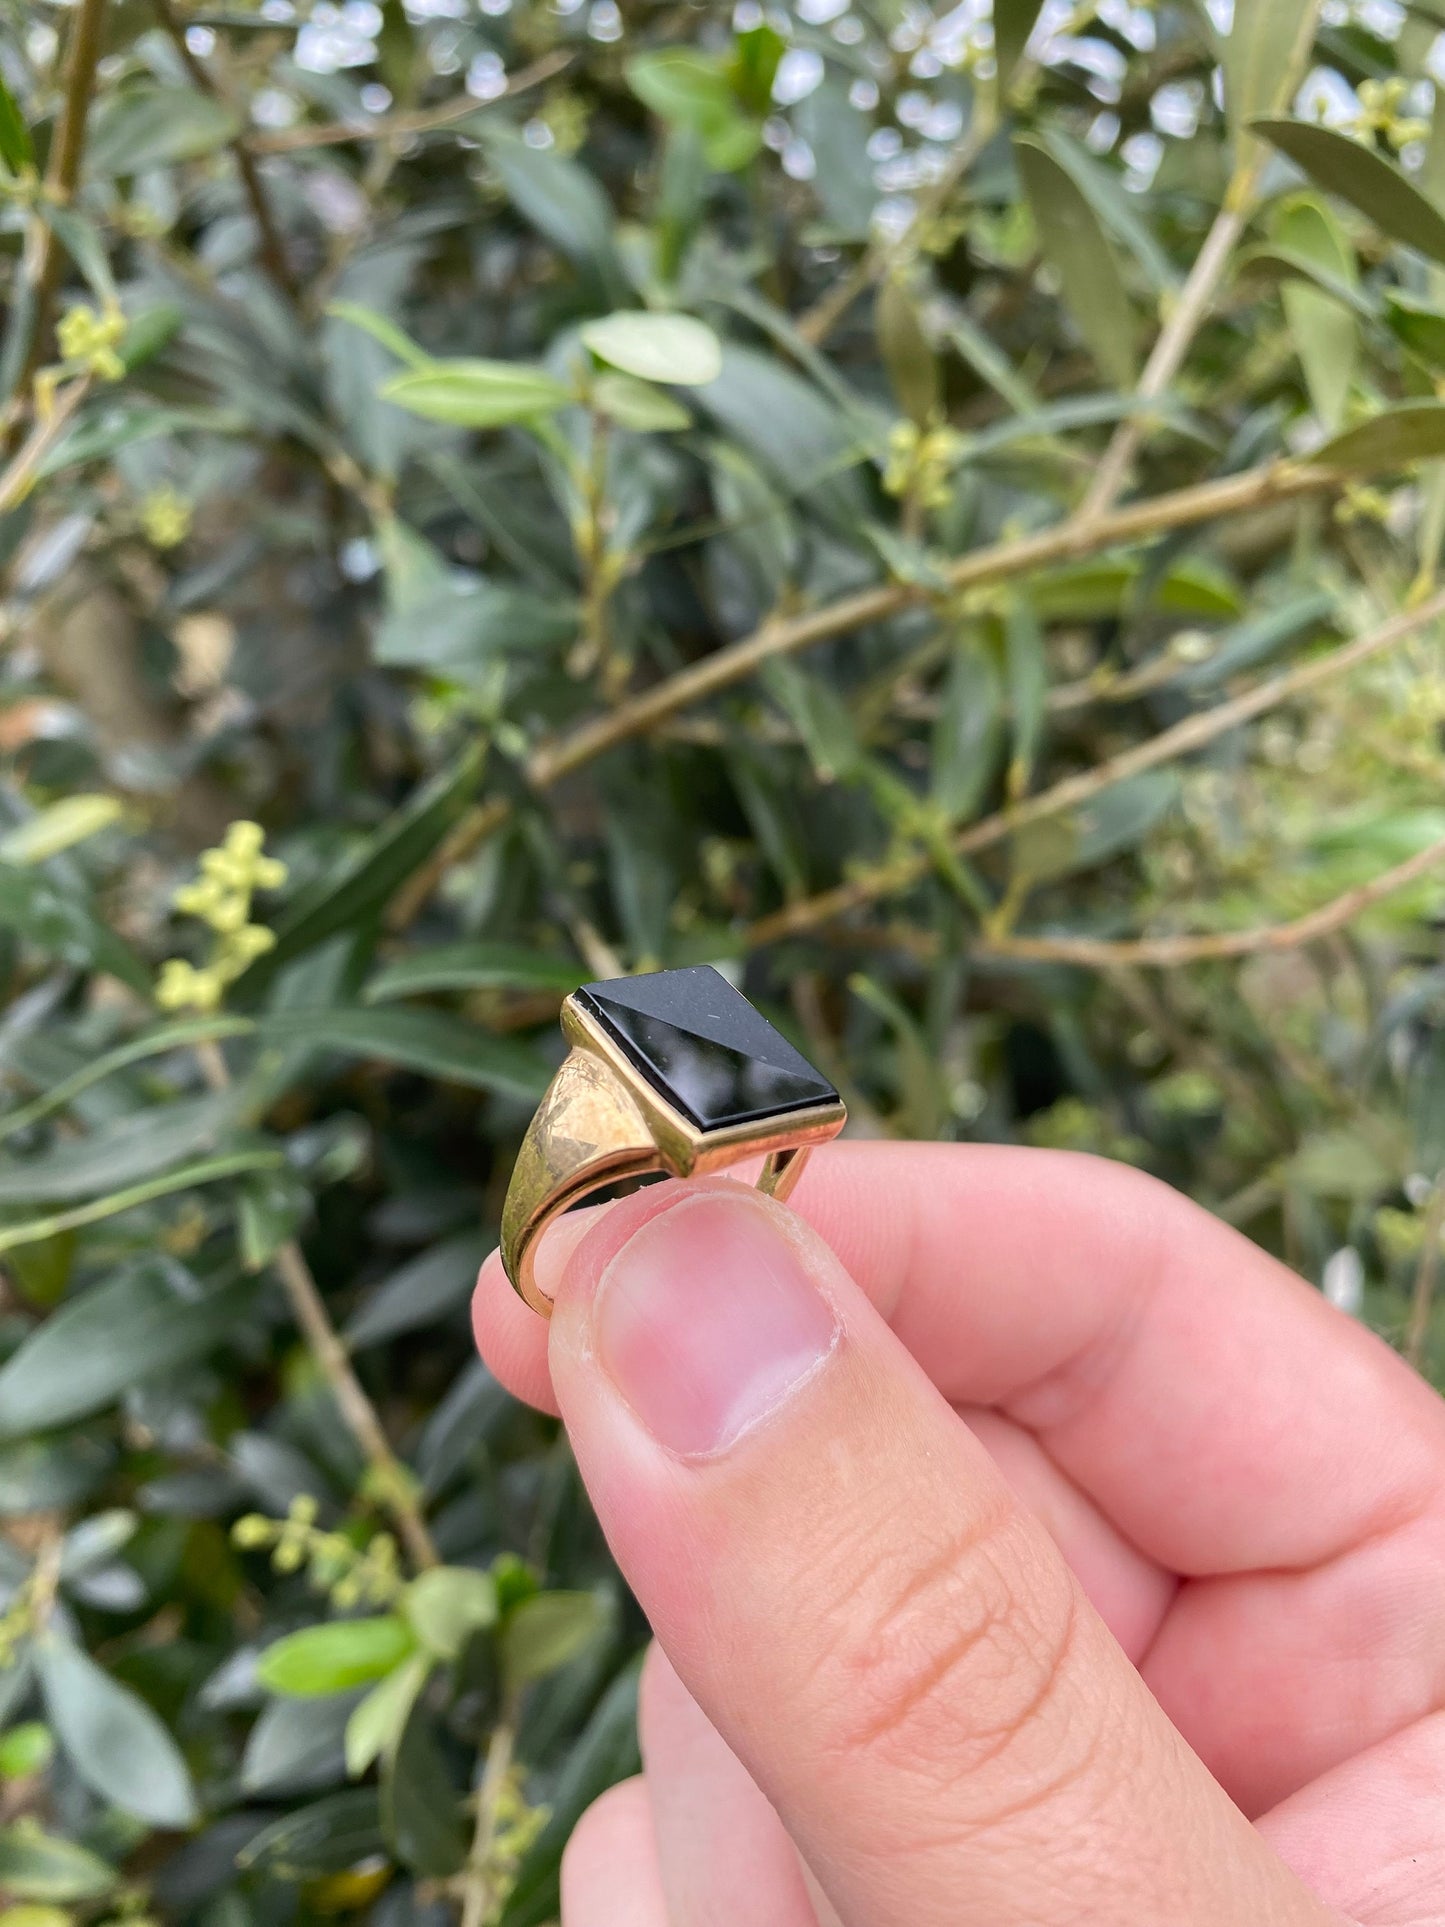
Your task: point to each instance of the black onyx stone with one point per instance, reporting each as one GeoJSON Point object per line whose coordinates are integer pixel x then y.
{"type": "Point", "coordinates": [702, 1047]}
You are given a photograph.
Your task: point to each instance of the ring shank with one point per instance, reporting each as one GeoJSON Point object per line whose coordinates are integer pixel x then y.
{"type": "Point", "coordinates": [589, 1133]}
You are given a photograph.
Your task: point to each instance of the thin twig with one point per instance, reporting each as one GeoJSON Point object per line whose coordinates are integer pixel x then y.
{"type": "Point", "coordinates": [21, 471]}
{"type": "Point", "coordinates": [1174, 342]}
{"type": "Point", "coordinates": [392, 1481]}
{"type": "Point", "coordinates": [40, 269]}
{"type": "Point", "coordinates": [881, 256]}
{"type": "Point", "coordinates": [1166, 952]}
{"type": "Point", "coordinates": [477, 1895]}
{"type": "Point", "coordinates": [1426, 1271]}
{"type": "Point", "coordinates": [901, 872]}
{"type": "Point", "coordinates": [272, 249]}
{"type": "Point", "coordinates": [1064, 542]}
{"type": "Point", "coordinates": [291, 140]}
{"type": "Point", "coordinates": [562, 755]}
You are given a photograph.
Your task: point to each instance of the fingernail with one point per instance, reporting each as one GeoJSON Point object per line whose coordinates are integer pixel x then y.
{"type": "Point", "coordinates": [707, 1321]}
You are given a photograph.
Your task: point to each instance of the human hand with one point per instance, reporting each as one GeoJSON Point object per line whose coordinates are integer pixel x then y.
{"type": "Point", "coordinates": [1029, 1546]}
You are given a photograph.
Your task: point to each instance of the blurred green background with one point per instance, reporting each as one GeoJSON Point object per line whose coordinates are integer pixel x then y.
{"type": "Point", "coordinates": [939, 514]}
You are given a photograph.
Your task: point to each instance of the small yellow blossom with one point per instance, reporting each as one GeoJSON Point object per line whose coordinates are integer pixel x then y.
{"type": "Point", "coordinates": [221, 899]}
{"type": "Point", "coordinates": [1380, 104]}
{"type": "Point", "coordinates": [165, 517]}
{"type": "Point", "coordinates": [91, 339]}
{"type": "Point", "coordinates": [920, 463]}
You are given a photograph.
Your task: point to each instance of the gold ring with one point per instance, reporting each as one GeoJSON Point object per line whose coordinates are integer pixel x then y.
{"type": "Point", "coordinates": [674, 1073]}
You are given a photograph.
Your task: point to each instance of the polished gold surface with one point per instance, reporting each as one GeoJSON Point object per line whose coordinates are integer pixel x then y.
{"type": "Point", "coordinates": [601, 1122]}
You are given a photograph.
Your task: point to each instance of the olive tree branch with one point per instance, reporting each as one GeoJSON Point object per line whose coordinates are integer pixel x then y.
{"type": "Point", "coordinates": [272, 248]}
{"type": "Point", "coordinates": [1166, 952]}
{"type": "Point", "coordinates": [1000, 562]}
{"type": "Point", "coordinates": [560, 756]}
{"type": "Point", "coordinates": [393, 1486]}
{"type": "Point", "coordinates": [1186, 317]}
{"type": "Point", "coordinates": [902, 871]}
{"type": "Point", "coordinates": [40, 266]}
{"type": "Point", "coordinates": [20, 473]}
{"type": "Point", "coordinates": [291, 140]}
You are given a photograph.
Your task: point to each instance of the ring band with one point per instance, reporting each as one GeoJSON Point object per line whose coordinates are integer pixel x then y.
{"type": "Point", "coordinates": [674, 1072]}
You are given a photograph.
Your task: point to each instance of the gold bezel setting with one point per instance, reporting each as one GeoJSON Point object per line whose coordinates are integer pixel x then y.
{"type": "Point", "coordinates": [604, 1120]}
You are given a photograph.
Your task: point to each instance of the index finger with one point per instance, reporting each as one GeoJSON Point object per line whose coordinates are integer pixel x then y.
{"type": "Point", "coordinates": [1168, 1365]}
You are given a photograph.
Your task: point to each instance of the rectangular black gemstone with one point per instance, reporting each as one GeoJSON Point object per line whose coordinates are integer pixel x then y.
{"type": "Point", "coordinates": [704, 1049]}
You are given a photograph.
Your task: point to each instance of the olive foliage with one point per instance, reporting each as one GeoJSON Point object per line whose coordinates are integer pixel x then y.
{"type": "Point", "coordinates": [939, 513]}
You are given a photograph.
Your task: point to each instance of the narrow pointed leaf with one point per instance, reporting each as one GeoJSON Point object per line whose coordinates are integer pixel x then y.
{"type": "Point", "coordinates": [1083, 258]}
{"type": "Point", "coordinates": [1265, 57]}
{"type": "Point", "coordinates": [1357, 174]}
{"type": "Point", "coordinates": [1413, 432]}
{"type": "Point", "coordinates": [113, 1740]}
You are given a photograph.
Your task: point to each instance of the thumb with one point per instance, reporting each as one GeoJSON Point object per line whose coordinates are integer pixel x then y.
{"type": "Point", "coordinates": [885, 1638]}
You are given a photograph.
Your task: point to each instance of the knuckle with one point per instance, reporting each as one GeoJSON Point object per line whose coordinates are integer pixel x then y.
{"type": "Point", "coordinates": [943, 1670]}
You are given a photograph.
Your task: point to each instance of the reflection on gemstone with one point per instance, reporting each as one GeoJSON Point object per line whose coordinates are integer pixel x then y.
{"type": "Point", "coordinates": [703, 1047]}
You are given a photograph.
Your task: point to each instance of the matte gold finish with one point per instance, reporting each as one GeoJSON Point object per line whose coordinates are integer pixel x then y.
{"type": "Point", "coordinates": [601, 1122]}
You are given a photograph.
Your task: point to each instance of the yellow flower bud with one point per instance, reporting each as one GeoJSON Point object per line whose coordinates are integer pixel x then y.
{"type": "Point", "coordinates": [177, 985]}
{"type": "Point", "coordinates": [244, 839]}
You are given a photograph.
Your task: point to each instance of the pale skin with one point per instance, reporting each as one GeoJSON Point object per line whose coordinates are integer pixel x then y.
{"type": "Point", "coordinates": [1023, 1546]}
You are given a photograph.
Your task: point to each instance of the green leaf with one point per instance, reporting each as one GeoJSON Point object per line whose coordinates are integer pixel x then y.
{"type": "Point", "coordinates": [1418, 324]}
{"type": "Point", "coordinates": [58, 921]}
{"type": "Point", "coordinates": [968, 736]}
{"type": "Point", "coordinates": [1265, 57]}
{"type": "Point", "coordinates": [447, 1605]}
{"type": "Point", "coordinates": [112, 1739]}
{"type": "Point", "coordinates": [420, 1808]}
{"type": "Point", "coordinates": [1013, 25]}
{"type": "Point", "coordinates": [395, 339]}
{"type": "Point", "coordinates": [361, 885]}
{"type": "Point", "coordinates": [1259, 637]}
{"type": "Point", "coordinates": [131, 1148]}
{"type": "Point", "coordinates": [461, 625]}
{"type": "Point", "coordinates": [657, 347]}
{"type": "Point", "coordinates": [560, 199]}
{"type": "Point", "coordinates": [231, 1164]}
{"type": "Point", "coordinates": [60, 827]}
{"type": "Point", "coordinates": [542, 1634]}
{"type": "Point", "coordinates": [45, 1866]}
{"type": "Point", "coordinates": [137, 1326]}
{"type": "Point", "coordinates": [908, 356]}
{"type": "Point", "coordinates": [334, 1657]}
{"type": "Point", "coordinates": [477, 394]}
{"type": "Point", "coordinates": [152, 1043]}
{"type": "Point", "coordinates": [820, 716]}
{"type": "Point", "coordinates": [472, 966]}
{"type": "Point", "coordinates": [144, 127]}
{"type": "Point", "coordinates": [694, 91]}
{"type": "Point", "coordinates": [757, 55]}
{"type": "Point", "coordinates": [418, 1040]}
{"type": "Point", "coordinates": [1396, 437]}
{"type": "Point", "coordinates": [1325, 334]}
{"type": "Point", "coordinates": [422, 1292]}
{"type": "Point", "coordinates": [638, 406]}
{"type": "Point", "coordinates": [329, 1836]}
{"type": "Point", "coordinates": [1115, 206]}
{"type": "Point", "coordinates": [298, 1745]}
{"type": "Point", "coordinates": [1028, 686]}
{"type": "Point", "coordinates": [1351, 1162]}
{"type": "Point", "coordinates": [17, 150]}
{"type": "Point", "coordinates": [1357, 174]}
{"type": "Point", "coordinates": [376, 1724]}
{"type": "Point", "coordinates": [1083, 257]}
{"type": "Point", "coordinates": [25, 1750]}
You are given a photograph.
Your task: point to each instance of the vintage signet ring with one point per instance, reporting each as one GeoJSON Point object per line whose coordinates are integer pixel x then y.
{"type": "Point", "coordinates": [672, 1073]}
